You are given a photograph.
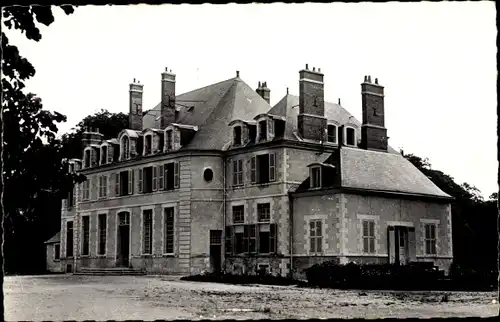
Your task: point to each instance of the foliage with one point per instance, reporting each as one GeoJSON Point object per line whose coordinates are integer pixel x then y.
{"type": "Point", "coordinates": [109, 124]}
{"type": "Point", "coordinates": [33, 176]}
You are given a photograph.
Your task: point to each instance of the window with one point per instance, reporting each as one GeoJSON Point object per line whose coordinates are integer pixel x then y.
{"type": "Point", "coordinates": [430, 239]}
{"type": "Point", "coordinates": [71, 198]}
{"type": "Point", "coordinates": [85, 234]}
{"type": "Point", "coordinates": [148, 143]}
{"type": "Point", "coordinates": [264, 212]}
{"type": "Point", "coordinates": [69, 239]}
{"type": "Point", "coordinates": [125, 148]}
{"type": "Point", "coordinates": [86, 158]}
{"type": "Point", "coordinates": [315, 177]}
{"type": "Point", "coordinates": [104, 155]}
{"type": "Point", "coordinates": [208, 175]}
{"type": "Point", "coordinates": [124, 183]}
{"type": "Point", "coordinates": [237, 135]}
{"type": "Point", "coordinates": [260, 238]}
{"type": "Point", "coordinates": [350, 136]}
{"type": "Point", "coordinates": [369, 236]}
{"type": "Point", "coordinates": [238, 214]}
{"type": "Point", "coordinates": [101, 247]}
{"type": "Point", "coordinates": [263, 168]}
{"type": "Point", "coordinates": [86, 190]}
{"type": "Point", "coordinates": [148, 179]}
{"type": "Point", "coordinates": [171, 176]}
{"type": "Point", "coordinates": [237, 172]}
{"type": "Point", "coordinates": [57, 252]}
{"type": "Point", "coordinates": [215, 237]}
{"type": "Point", "coordinates": [169, 230]}
{"type": "Point", "coordinates": [103, 186]}
{"type": "Point", "coordinates": [147, 232]}
{"type": "Point", "coordinates": [263, 130]}
{"type": "Point", "coordinates": [271, 126]}
{"type": "Point", "coordinates": [331, 134]}
{"type": "Point", "coordinates": [315, 236]}
{"type": "Point", "coordinates": [169, 140]}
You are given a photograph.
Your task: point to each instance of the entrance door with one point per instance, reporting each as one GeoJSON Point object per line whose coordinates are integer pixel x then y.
{"type": "Point", "coordinates": [216, 250]}
{"type": "Point", "coordinates": [123, 249]}
{"type": "Point", "coordinates": [402, 245]}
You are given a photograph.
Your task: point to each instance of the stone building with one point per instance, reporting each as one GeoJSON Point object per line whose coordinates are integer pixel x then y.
{"type": "Point", "coordinates": [217, 179]}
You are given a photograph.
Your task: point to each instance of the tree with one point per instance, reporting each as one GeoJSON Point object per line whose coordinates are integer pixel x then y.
{"type": "Point", "coordinates": [33, 176]}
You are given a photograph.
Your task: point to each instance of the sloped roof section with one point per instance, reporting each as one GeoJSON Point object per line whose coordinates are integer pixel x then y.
{"type": "Point", "coordinates": [211, 109]}
{"type": "Point", "coordinates": [288, 107]}
{"type": "Point", "coordinates": [372, 170]}
{"type": "Point", "coordinates": [55, 239]}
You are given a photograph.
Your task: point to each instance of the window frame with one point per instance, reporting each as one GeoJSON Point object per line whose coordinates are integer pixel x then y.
{"type": "Point", "coordinates": [242, 212]}
{"type": "Point", "coordinates": [260, 206]}
{"type": "Point", "coordinates": [316, 238]}
{"type": "Point", "coordinates": [371, 237]}
{"type": "Point", "coordinates": [165, 233]}
{"type": "Point", "coordinates": [85, 237]}
{"type": "Point", "coordinates": [335, 133]}
{"type": "Point", "coordinates": [57, 254]}
{"type": "Point", "coordinates": [145, 140]}
{"type": "Point", "coordinates": [100, 240]}
{"type": "Point", "coordinates": [148, 211]}
{"type": "Point", "coordinates": [315, 184]}
{"type": "Point", "coordinates": [240, 141]}
{"type": "Point", "coordinates": [125, 150]}
{"type": "Point", "coordinates": [346, 129]}
{"type": "Point", "coordinates": [430, 241]}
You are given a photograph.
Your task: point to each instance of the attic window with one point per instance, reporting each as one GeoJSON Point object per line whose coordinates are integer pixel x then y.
{"type": "Point", "coordinates": [147, 144]}
{"type": "Point", "coordinates": [332, 133]}
{"type": "Point", "coordinates": [104, 155]}
{"type": "Point", "coordinates": [263, 130]}
{"type": "Point", "coordinates": [86, 159]}
{"type": "Point", "coordinates": [315, 177]}
{"type": "Point", "coordinates": [237, 135]}
{"type": "Point", "coordinates": [350, 136]}
{"type": "Point", "coordinates": [168, 140]}
{"type": "Point", "coordinates": [125, 148]}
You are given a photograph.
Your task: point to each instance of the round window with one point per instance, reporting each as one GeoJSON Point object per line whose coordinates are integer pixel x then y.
{"type": "Point", "coordinates": [208, 174]}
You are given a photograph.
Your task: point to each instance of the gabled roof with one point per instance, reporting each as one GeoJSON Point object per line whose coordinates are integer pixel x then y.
{"type": "Point", "coordinates": [372, 170]}
{"type": "Point", "coordinates": [55, 239]}
{"type": "Point", "coordinates": [215, 106]}
{"type": "Point", "coordinates": [288, 107]}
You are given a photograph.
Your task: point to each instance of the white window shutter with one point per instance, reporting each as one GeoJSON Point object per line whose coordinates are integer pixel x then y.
{"type": "Point", "coordinates": [253, 169]}
{"type": "Point", "coordinates": [161, 175]}
{"type": "Point", "coordinates": [272, 166]}
{"type": "Point", "coordinates": [117, 184]}
{"type": "Point", "coordinates": [130, 182]}
{"type": "Point", "coordinates": [155, 178]}
{"type": "Point", "coordinates": [140, 180]}
{"type": "Point", "coordinates": [176, 175]}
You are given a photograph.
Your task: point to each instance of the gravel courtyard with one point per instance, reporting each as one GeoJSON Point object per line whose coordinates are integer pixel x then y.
{"type": "Point", "coordinates": [72, 297]}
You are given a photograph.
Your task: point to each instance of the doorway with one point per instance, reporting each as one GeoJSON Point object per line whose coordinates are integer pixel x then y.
{"type": "Point", "coordinates": [401, 245]}
{"type": "Point", "coordinates": [123, 240]}
{"type": "Point", "coordinates": [215, 250]}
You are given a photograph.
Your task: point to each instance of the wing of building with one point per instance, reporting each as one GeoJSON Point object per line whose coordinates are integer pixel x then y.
{"type": "Point", "coordinates": [217, 179]}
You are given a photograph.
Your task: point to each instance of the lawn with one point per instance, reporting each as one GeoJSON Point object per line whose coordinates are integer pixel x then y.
{"type": "Point", "coordinates": [69, 297]}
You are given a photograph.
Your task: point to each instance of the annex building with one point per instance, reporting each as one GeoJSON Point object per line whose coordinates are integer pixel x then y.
{"type": "Point", "coordinates": [218, 179]}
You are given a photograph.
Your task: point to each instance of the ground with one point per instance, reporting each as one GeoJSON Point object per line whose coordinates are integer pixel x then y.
{"type": "Point", "coordinates": [72, 297]}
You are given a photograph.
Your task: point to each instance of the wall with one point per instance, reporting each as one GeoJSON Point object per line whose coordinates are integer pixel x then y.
{"type": "Point", "coordinates": [53, 265]}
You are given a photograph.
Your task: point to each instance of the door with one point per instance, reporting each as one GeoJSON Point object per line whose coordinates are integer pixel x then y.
{"type": "Point", "coordinates": [123, 240]}
{"type": "Point", "coordinates": [216, 250]}
{"type": "Point", "coordinates": [402, 245]}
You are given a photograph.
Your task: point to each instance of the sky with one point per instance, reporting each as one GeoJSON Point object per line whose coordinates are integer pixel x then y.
{"type": "Point", "coordinates": [437, 61]}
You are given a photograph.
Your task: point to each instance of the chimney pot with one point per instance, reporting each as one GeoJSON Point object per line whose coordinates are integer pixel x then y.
{"type": "Point", "coordinates": [259, 84]}
{"type": "Point", "coordinates": [319, 70]}
{"type": "Point", "coordinates": [237, 73]}
{"type": "Point", "coordinates": [369, 78]}
{"type": "Point", "coordinates": [287, 91]}
{"type": "Point", "coordinates": [307, 66]}
{"type": "Point", "coordinates": [314, 69]}
{"type": "Point", "coordinates": [166, 69]}
{"type": "Point", "coordinates": [339, 100]}
{"type": "Point", "coordinates": [134, 80]}
{"type": "Point", "coordinates": [376, 81]}
{"type": "Point", "coordinates": [366, 78]}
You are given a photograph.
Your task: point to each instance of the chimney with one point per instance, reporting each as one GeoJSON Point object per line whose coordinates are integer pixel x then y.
{"type": "Point", "coordinates": [311, 119]}
{"type": "Point", "coordinates": [89, 136]}
{"type": "Point", "coordinates": [167, 98]}
{"type": "Point", "coordinates": [373, 131]}
{"type": "Point", "coordinates": [135, 106]}
{"type": "Point", "coordinates": [264, 92]}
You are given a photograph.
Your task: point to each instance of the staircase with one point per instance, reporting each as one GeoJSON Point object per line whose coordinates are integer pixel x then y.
{"type": "Point", "coordinates": [114, 271]}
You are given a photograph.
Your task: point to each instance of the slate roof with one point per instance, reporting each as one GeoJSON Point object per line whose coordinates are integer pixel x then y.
{"type": "Point", "coordinates": [220, 104]}
{"type": "Point", "coordinates": [372, 170]}
{"type": "Point", "coordinates": [288, 107]}
{"type": "Point", "coordinates": [55, 239]}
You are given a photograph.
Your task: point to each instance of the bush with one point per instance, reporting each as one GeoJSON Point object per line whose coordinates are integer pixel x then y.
{"type": "Point", "coordinates": [241, 279]}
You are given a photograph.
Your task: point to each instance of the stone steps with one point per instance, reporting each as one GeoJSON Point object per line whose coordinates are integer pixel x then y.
{"type": "Point", "coordinates": [110, 271]}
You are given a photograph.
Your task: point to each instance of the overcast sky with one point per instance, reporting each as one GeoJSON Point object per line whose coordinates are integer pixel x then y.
{"type": "Point", "coordinates": [437, 62]}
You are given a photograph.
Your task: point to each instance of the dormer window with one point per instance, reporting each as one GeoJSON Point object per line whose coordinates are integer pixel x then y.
{"type": "Point", "coordinates": [104, 155]}
{"type": "Point", "coordinates": [169, 134]}
{"type": "Point", "coordinates": [125, 148]}
{"type": "Point", "coordinates": [237, 135]}
{"type": "Point", "coordinates": [86, 158]}
{"type": "Point", "coordinates": [350, 136]}
{"type": "Point", "coordinates": [331, 136]}
{"type": "Point", "coordinates": [315, 177]}
{"type": "Point", "coordinates": [263, 130]}
{"type": "Point", "coordinates": [148, 143]}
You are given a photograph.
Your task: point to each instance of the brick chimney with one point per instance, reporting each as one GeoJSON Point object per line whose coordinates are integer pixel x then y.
{"type": "Point", "coordinates": [373, 131]}
{"type": "Point", "coordinates": [91, 136]}
{"type": "Point", "coordinates": [167, 98]}
{"type": "Point", "coordinates": [135, 106]}
{"type": "Point", "coordinates": [311, 119]}
{"type": "Point", "coordinates": [264, 92]}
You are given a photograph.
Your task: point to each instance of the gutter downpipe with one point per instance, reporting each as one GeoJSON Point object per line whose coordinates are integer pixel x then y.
{"type": "Point", "coordinates": [290, 206]}
{"type": "Point", "coordinates": [224, 160]}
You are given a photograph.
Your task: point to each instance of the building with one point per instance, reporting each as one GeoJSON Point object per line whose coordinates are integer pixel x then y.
{"type": "Point", "coordinates": [53, 254]}
{"type": "Point", "coordinates": [217, 179]}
